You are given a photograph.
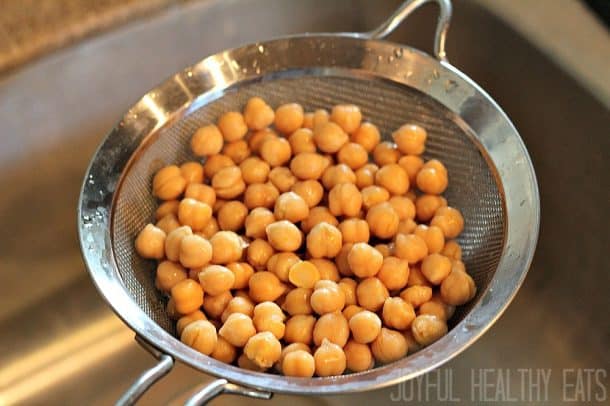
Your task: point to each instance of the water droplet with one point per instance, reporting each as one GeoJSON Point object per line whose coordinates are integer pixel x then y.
{"type": "Point", "coordinates": [189, 73]}
{"type": "Point", "coordinates": [91, 181]}
{"type": "Point", "coordinates": [87, 218]}
{"type": "Point", "coordinates": [255, 63]}
{"type": "Point", "coordinates": [258, 70]}
{"type": "Point", "coordinates": [398, 53]}
{"type": "Point", "coordinates": [409, 74]}
{"type": "Point", "coordinates": [379, 58]}
{"type": "Point", "coordinates": [450, 85]}
{"type": "Point", "coordinates": [390, 58]}
{"type": "Point", "coordinates": [244, 70]}
{"type": "Point", "coordinates": [261, 49]}
{"type": "Point", "coordinates": [435, 74]}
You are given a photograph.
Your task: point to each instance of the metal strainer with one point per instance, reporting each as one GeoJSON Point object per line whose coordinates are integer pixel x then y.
{"type": "Point", "coordinates": [491, 181]}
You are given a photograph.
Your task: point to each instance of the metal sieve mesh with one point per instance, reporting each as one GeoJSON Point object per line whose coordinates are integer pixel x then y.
{"type": "Point", "coordinates": [472, 185]}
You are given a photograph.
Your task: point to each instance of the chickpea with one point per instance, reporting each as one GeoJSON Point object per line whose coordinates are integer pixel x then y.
{"type": "Point", "coordinates": [257, 221]}
{"type": "Point", "coordinates": [365, 176]}
{"type": "Point", "coordinates": [214, 163]}
{"type": "Point", "coordinates": [348, 116]}
{"type": "Point", "coordinates": [299, 329]}
{"type": "Point", "coordinates": [320, 116]}
{"type": "Point", "coordinates": [275, 151]}
{"type": "Point", "coordinates": [207, 141]}
{"type": "Point", "coordinates": [364, 260]}
{"type": "Point", "coordinates": [354, 230]}
{"type": "Point", "coordinates": [288, 118]}
{"type": "Point", "coordinates": [168, 183]}
{"type": "Point", "coordinates": [411, 139]}
{"type": "Point", "coordinates": [327, 297]}
{"type": "Point", "coordinates": [385, 153]}
{"type": "Point", "coordinates": [341, 260]}
{"type": "Point", "coordinates": [298, 363]}
{"type": "Point", "coordinates": [436, 268]}
{"type": "Point", "coordinates": [259, 252]}
{"type": "Point", "coordinates": [260, 195]}
{"type": "Point", "coordinates": [436, 308]}
{"type": "Point", "coordinates": [287, 350]}
{"type": "Point", "coordinates": [188, 319]}
{"type": "Point", "coordinates": [433, 236]}
{"type": "Point", "coordinates": [367, 135]}
{"type": "Point", "coordinates": [269, 317]}
{"type": "Point", "coordinates": [334, 175]}
{"type": "Point", "coordinates": [216, 279]}
{"type": "Point", "coordinates": [256, 139]}
{"type": "Point", "coordinates": [411, 247]}
{"type": "Point", "coordinates": [358, 356]}
{"type": "Point", "coordinates": [258, 114]}
{"type": "Point", "coordinates": [329, 359]}
{"type": "Point", "coordinates": [226, 247]}
{"type": "Point", "coordinates": [302, 141]}
{"type": "Point", "coordinates": [308, 121]}
{"type": "Point", "coordinates": [416, 295]}
{"type": "Point", "coordinates": [264, 349]}
{"type": "Point", "coordinates": [394, 273]}
{"type": "Point", "coordinates": [238, 305]}
{"type": "Point", "coordinates": [192, 172]}
{"type": "Point", "coordinates": [328, 270]}
{"type": "Point", "coordinates": [365, 326]}
{"type": "Point", "coordinates": [383, 220]}
{"type": "Point", "coordinates": [290, 206]}
{"type": "Point", "coordinates": [438, 165]}
{"type": "Point", "coordinates": [245, 363]}
{"type": "Point", "coordinates": [353, 155]}
{"type": "Point", "coordinates": [284, 236]}
{"type": "Point", "coordinates": [173, 242]}
{"type": "Point", "coordinates": [195, 251]}
{"type": "Point", "coordinates": [318, 215]}
{"type": "Point", "coordinates": [457, 288]}
{"type": "Point", "coordinates": [224, 351]}
{"type": "Point", "coordinates": [345, 199]}
{"type": "Point", "coordinates": [265, 286]}
{"type": "Point", "coordinates": [215, 305]}
{"type": "Point", "coordinates": [449, 220]}
{"type": "Point", "coordinates": [406, 226]}
{"type": "Point", "coordinates": [303, 274]}
{"type": "Point", "coordinates": [385, 249]}
{"type": "Point", "coordinates": [411, 164]}
{"type": "Point", "coordinates": [426, 206]}
{"type": "Point", "coordinates": [232, 216]}
{"type": "Point", "coordinates": [232, 126]}
{"type": "Point", "coordinates": [200, 192]}
{"type": "Point", "coordinates": [311, 192]}
{"type": "Point", "coordinates": [297, 301]}
{"type": "Point", "coordinates": [194, 213]}
{"type": "Point", "coordinates": [411, 195]}
{"type": "Point", "coordinates": [430, 180]}
{"type": "Point", "coordinates": [329, 137]}
{"type": "Point", "coordinates": [351, 310]}
{"type": "Point", "coordinates": [171, 311]}
{"type": "Point", "coordinates": [228, 183]}
{"type": "Point", "coordinates": [403, 206]}
{"type": "Point", "coordinates": [413, 345]}
{"type": "Point", "coordinates": [201, 336]}
{"type": "Point", "coordinates": [332, 327]}
{"type": "Point", "coordinates": [242, 272]}
{"type": "Point", "coordinates": [416, 277]}
{"type": "Point", "coordinates": [452, 250]}
{"type": "Point", "coordinates": [371, 294]}
{"type": "Point", "coordinates": [237, 329]}
{"type": "Point", "coordinates": [167, 207]}
{"type": "Point", "coordinates": [150, 242]}
{"type": "Point", "coordinates": [168, 275]}
{"type": "Point", "coordinates": [282, 178]}
{"type": "Point", "coordinates": [427, 329]}
{"type": "Point", "coordinates": [187, 295]}
{"type": "Point", "coordinates": [254, 170]}
{"type": "Point", "coordinates": [392, 178]}
{"type": "Point", "coordinates": [280, 264]}
{"type": "Point", "coordinates": [373, 195]}
{"type": "Point", "coordinates": [324, 241]}
{"type": "Point", "coordinates": [397, 313]}
{"type": "Point", "coordinates": [389, 346]}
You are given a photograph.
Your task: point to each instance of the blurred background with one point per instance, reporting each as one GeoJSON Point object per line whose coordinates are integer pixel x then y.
{"type": "Point", "coordinates": [70, 68]}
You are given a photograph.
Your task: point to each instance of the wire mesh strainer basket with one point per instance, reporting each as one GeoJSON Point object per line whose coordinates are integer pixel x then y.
{"type": "Point", "coordinates": [492, 182]}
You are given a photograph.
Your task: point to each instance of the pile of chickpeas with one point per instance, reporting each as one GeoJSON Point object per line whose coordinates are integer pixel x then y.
{"type": "Point", "coordinates": [301, 243]}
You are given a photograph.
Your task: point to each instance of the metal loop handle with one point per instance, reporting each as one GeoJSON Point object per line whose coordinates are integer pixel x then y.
{"type": "Point", "coordinates": [408, 7]}
{"type": "Point", "coordinates": [220, 386]}
{"type": "Point", "coordinates": [146, 380]}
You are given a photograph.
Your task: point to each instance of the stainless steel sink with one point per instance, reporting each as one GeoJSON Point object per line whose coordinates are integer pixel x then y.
{"type": "Point", "coordinates": [60, 344]}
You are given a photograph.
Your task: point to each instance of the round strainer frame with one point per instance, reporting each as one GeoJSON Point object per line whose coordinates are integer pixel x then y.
{"type": "Point", "coordinates": [356, 55]}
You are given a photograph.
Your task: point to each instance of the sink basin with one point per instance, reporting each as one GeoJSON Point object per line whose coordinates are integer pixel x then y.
{"type": "Point", "coordinates": [62, 345]}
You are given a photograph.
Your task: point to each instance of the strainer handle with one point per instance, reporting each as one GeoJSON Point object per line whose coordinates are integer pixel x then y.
{"type": "Point", "coordinates": [408, 7]}
{"type": "Point", "coordinates": [220, 386]}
